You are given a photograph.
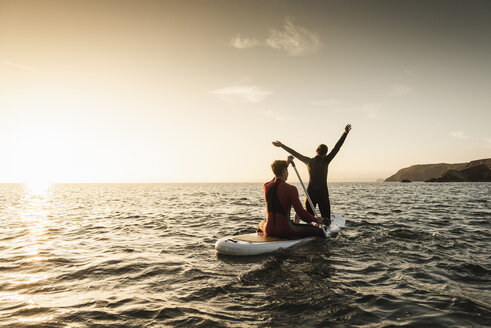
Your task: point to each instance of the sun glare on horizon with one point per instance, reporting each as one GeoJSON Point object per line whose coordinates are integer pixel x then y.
{"type": "Point", "coordinates": [39, 156]}
{"type": "Point", "coordinates": [37, 187]}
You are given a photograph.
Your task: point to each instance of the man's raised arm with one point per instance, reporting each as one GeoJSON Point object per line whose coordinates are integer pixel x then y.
{"type": "Point", "coordinates": [302, 158]}
{"type": "Point", "coordinates": [338, 145]}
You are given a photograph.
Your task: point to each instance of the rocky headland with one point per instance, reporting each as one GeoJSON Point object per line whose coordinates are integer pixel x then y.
{"type": "Point", "coordinates": [478, 173]}
{"type": "Point", "coordinates": [474, 171]}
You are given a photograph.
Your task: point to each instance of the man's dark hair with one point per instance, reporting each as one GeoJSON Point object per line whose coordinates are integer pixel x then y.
{"type": "Point", "coordinates": [278, 166]}
{"type": "Point", "coordinates": [321, 150]}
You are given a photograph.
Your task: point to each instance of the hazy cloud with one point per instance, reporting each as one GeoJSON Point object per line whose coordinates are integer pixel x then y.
{"type": "Point", "coordinates": [294, 39]}
{"type": "Point", "coordinates": [4, 62]}
{"type": "Point", "coordinates": [459, 135]}
{"type": "Point", "coordinates": [400, 90]}
{"type": "Point", "coordinates": [488, 142]}
{"type": "Point", "coordinates": [242, 93]}
{"type": "Point", "coordinates": [243, 43]}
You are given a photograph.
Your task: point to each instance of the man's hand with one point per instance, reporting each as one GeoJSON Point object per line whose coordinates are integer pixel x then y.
{"type": "Point", "coordinates": [347, 128]}
{"type": "Point", "coordinates": [277, 143]}
{"type": "Point", "coordinates": [289, 159]}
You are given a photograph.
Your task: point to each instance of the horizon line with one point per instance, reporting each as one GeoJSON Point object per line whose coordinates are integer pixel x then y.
{"type": "Point", "coordinates": [176, 182]}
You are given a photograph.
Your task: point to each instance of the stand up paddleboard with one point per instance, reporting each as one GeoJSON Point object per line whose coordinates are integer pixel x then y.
{"type": "Point", "coordinates": [258, 243]}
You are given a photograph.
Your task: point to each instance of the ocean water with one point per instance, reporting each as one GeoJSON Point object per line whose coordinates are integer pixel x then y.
{"type": "Point", "coordinates": [142, 255]}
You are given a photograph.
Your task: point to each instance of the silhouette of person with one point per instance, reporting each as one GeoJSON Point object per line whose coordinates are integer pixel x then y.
{"type": "Point", "coordinates": [317, 167]}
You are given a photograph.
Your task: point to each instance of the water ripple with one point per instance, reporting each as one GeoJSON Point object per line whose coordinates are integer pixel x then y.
{"type": "Point", "coordinates": [138, 255]}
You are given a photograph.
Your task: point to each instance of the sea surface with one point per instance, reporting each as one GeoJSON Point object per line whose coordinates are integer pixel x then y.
{"type": "Point", "coordinates": [142, 255]}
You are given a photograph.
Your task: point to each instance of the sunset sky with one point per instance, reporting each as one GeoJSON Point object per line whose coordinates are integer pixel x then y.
{"type": "Point", "coordinates": [196, 91]}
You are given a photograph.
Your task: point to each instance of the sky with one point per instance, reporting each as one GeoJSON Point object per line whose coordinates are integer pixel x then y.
{"type": "Point", "coordinates": [196, 91]}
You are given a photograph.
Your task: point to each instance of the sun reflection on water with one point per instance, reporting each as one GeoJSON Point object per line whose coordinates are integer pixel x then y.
{"type": "Point", "coordinates": [25, 278]}
{"type": "Point", "coordinates": [35, 216]}
{"type": "Point", "coordinates": [34, 220]}
{"type": "Point", "coordinates": [37, 187]}
{"type": "Point", "coordinates": [36, 319]}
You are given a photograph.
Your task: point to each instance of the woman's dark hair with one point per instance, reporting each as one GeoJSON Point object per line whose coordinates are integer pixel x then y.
{"type": "Point", "coordinates": [321, 150]}
{"type": "Point", "coordinates": [278, 166]}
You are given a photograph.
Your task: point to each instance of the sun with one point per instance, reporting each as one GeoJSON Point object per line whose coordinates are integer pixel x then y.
{"type": "Point", "coordinates": [40, 156]}
{"type": "Point", "coordinates": [37, 187]}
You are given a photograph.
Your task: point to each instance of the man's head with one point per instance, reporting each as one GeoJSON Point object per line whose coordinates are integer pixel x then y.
{"type": "Point", "coordinates": [280, 169]}
{"type": "Point", "coordinates": [321, 150]}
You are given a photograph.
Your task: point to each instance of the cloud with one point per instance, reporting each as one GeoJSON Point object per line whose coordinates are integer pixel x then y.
{"type": "Point", "coordinates": [488, 142]}
{"type": "Point", "coordinates": [459, 135]}
{"type": "Point", "coordinates": [242, 93]}
{"type": "Point", "coordinates": [243, 43]}
{"type": "Point", "coordinates": [294, 39]}
{"type": "Point", "coordinates": [4, 62]}
{"type": "Point", "coordinates": [400, 90]}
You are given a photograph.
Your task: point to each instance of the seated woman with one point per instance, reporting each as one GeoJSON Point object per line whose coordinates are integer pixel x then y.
{"type": "Point", "coordinates": [280, 197]}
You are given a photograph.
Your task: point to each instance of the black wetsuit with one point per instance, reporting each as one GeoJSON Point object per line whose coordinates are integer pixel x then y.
{"type": "Point", "coordinates": [317, 187]}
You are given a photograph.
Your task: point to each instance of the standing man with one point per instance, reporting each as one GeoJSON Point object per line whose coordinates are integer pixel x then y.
{"type": "Point", "coordinates": [317, 167]}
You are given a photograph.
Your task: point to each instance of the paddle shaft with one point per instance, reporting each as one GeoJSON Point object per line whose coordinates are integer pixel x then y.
{"type": "Point", "coordinates": [306, 193]}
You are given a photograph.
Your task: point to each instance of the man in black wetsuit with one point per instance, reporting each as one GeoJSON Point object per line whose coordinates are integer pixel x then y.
{"type": "Point", "coordinates": [317, 167]}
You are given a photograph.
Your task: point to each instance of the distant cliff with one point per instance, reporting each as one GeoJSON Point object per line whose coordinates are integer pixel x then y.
{"type": "Point", "coordinates": [427, 172]}
{"type": "Point", "coordinates": [477, 173]}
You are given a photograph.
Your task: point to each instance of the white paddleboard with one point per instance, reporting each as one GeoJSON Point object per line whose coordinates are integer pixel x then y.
{"type": "Point", "coordinates": [257, 243]}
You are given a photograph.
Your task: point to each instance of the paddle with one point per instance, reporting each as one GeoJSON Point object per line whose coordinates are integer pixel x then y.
{"type": "Point", "coordinates": [306, 193]}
